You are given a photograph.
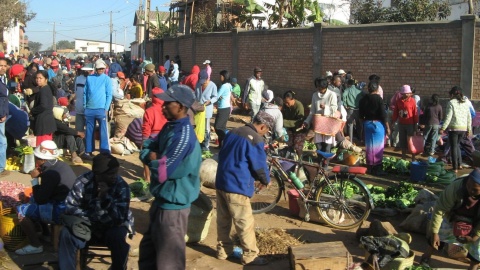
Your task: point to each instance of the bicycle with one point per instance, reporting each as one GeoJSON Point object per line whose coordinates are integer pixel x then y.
{"type": "Point", "coordinates": [341, 200]}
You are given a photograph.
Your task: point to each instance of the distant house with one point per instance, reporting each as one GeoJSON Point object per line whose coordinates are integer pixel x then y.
{"type": "Point", "coordinates": [14, 39]}
{"type": "Point", "coordinates": [139, 23]}
{"type": "Point", "coordinates": [458, 8]}
{"type": "Point", "coordinates": [96, 46]}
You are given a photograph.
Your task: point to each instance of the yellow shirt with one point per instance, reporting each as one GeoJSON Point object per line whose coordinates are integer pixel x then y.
{"type": "Point", "coordinates": [136, 91]}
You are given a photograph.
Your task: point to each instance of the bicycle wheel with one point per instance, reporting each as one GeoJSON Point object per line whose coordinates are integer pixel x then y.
{"type": "Point", "coordinates": [265, 199]}
{"type": "Point", "coordinates": [343, 203]}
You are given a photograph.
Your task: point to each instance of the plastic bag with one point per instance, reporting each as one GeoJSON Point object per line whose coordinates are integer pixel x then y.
{"type": "Point", "coordinates": [28, 163]}
{"type": "Point", "coordinates": [415, 144]}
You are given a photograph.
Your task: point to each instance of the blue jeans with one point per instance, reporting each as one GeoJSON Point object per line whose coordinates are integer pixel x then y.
{"type": "Point", "coordinates": [114, 238]}
{"type": "Point", "coordinates": [93, 116]}
{"type": "Point", "coordinates": [430, 135]}
{"type": "Point", "coordinates": [3, 147]}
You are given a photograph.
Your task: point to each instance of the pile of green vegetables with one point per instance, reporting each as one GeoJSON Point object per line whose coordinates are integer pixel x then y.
{"type": "Point", "coordinates": [437, 174]}
{"type": "Point", "coordinates": [348, 189]}
{"type": "Point", "coordinates": [396, 165]}
{"type": "Point", "coordinates": [139, 188]}
{"type": "Point", "coordinates": [207, 154]}
{"type": "Point", "coordinates": [399, 196]}
{"type": "Point", "coordinates": [307, 145]}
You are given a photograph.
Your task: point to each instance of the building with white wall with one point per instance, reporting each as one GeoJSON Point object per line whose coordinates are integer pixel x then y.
{"type": "Point", "coordinates": [458, 8]}
{"type": "Point", "coordinates": [95, 46]}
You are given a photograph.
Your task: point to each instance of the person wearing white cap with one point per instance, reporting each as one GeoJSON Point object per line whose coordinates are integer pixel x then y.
{"type": "Point", "coordinates": [48, 199]}
{"type": "Point", "coordinates": [79, 85]}
{"type": "Point", "coordinates": [96, 101]}
{"type": "Point", "coordinates": [406, 113]}
{"type": "Point", "coordinates": [208, 67]}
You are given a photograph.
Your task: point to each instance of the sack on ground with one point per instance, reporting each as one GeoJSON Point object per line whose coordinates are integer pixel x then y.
{"type": "Point", "coordinates": [417, 221]}
{"type": "Point", "coordinates": [123, 146]}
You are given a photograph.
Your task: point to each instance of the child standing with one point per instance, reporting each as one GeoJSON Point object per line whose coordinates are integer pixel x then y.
{"type": "Point", "coordinates": [433, 114]}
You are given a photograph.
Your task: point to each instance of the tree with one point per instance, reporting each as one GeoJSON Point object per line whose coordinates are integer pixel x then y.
{"type": "Point", "coordinates": [13, 11]}
{"type": "Point", "coordinates": [65, 44]}
{"type": "Point", "coordinates": [371, 11]}
{"type": "Point", "coordinates": [34, 46]}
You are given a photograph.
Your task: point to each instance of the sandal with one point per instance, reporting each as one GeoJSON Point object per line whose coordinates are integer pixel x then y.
{"type": "Point", "coordinates": [77, 160]}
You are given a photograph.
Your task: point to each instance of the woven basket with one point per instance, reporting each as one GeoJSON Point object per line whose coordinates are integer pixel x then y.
{"type": "Point", "coordinates": [397, 263]}
{"type": "Point", "coordinates": [327, 125]}
{"type": "Point", "coordinates": [10, 231]}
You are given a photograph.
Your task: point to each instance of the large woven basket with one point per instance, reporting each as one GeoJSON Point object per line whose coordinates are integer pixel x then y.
{"type": "Point", "coordinates": [10, 231]}
{"type": "Point", "coordinates": [327, 125]}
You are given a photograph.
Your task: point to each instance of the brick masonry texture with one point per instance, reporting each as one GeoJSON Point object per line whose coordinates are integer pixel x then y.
{"type": "Point", "coordinates": [424, 55]}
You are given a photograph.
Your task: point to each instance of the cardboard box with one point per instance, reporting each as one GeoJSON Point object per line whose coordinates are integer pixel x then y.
{"type": "Point", "coordinates": [320, 256]}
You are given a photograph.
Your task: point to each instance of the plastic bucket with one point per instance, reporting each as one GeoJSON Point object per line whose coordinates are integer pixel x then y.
{"type": "Point", "coordinates": [418, 171]}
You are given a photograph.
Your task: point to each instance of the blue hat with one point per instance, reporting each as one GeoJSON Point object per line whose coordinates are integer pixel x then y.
{"type": "Point", "coordinates": [179, 93]}
{"type": "Point", "coordinates": [475, 175]}
{"type": "Point", "coordinates": [203, 76]}
{"type": "Point", "coordinates": [233, 80]}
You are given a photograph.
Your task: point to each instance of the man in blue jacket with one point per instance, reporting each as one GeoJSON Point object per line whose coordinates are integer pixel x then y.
{"type": "Point", "coordinates": [96, 101]}
{"type": "Point", "coordinates": [241, 161]}
{"type": "Point", "coordinates": [174, 159]}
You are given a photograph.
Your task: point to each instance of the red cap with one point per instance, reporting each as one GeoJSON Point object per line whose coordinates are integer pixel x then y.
{"type": "Point", "coordinates": [54, 63]}
{"type": "Point", "coordinates": [15, 70]}
{"type": "Point", "coordinates": [161, 69]}
{"type": "Point", "coordinates": [78, 66]}
{"type": "Point", "coordinates": [63, 101]}
{"type": "Point", "coordinates": [2, 55]}
{"type": "Point", "coordinates": [54, 53]}
{"type": "Point", "coordinates": [121, 75]}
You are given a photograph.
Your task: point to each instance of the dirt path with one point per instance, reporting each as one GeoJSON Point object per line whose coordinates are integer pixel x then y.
{"type": "Point", "coordinates": [202, 256]}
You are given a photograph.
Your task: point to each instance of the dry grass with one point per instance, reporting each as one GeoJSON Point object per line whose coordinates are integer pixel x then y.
{"type": "Point", "coordinates": [274, 241]}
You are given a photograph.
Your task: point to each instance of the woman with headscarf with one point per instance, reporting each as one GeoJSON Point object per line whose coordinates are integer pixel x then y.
{"type": "Point", "coordinates": [372, 113]}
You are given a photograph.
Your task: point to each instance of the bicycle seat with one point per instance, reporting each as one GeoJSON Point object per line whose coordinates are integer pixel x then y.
{"type": "Point", "coordinates": [326, 155]}
{"type": "Point", "coordinates": [350, 170]}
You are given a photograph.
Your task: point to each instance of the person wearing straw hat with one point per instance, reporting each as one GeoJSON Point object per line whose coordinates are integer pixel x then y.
{"type": "Point", "coordinates": [48, 195]}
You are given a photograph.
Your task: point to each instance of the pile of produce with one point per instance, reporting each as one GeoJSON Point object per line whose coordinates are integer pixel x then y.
{"type": "Point", "coordinates": [437, 174]}
{"type": "Point", "coordinates": [274, 241]}
{"type": "Point", "coordinates": [207, 154]}
{"type": "Point", "coordinates": [11, 193]}
{"type": "Point", "coordinates": [307, 145]}
{"type": "Point", "coordinates": [139, 188]}
{"type": "Point", "coordinates": [400, 196]}
{"type": "Point", "coordinates": [396, 165]}
{"type": "Point", "coordinates": [13, 164]}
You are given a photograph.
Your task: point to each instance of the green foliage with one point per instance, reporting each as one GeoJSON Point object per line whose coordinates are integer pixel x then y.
{"type": "Point", "coordinates": [399, 196]}
{"type": "Point", "coordinates": [13, 11]}
{"type": "Point", "coordinates": [34, 46]}
{"type": "Point", "coordinates": [203, 21]}
{"type": "Point", "coordinates": [397, 166]}
{"type": "Point", "coordinates": [139, 188]}
{"type": "Point", "coordinates": [346, 188]}
{"type": "Point", "coordinates": [371, 11]}
{"type": "Point", "coordinates": [159, 29]}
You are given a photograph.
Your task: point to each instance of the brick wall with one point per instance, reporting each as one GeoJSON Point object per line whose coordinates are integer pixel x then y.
{"type": "Point", "coordinates": [476, 67]}
{"type": "Point", "coordinates": [424, 55]}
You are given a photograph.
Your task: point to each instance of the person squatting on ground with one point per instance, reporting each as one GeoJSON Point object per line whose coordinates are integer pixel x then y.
{"type": "Point", "coordinates": [174, 159]}
{"type": "Point", "coordinates": [100, 201]}
{"type": "Point", "coordinates": [242, 160]}
{"type": "Point", "coordinates": [49, 193]}
{"type": "Point", "coordinates": [458, 203]}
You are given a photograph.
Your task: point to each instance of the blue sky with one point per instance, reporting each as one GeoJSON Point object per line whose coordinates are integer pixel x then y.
{"type": "Point", "coordinates": [87, 19]}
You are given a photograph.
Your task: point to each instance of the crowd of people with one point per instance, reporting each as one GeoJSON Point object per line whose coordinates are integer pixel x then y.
{"type": "Point", "coordinates": [175, 130]}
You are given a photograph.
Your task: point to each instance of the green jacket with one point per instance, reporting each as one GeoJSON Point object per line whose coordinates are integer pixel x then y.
{"type": "Point", "coordinates": [294, 116]}
{"type": "Point", "coordinates": [450, 199]}
{"type": "Point", "coordinates": [351, 97]}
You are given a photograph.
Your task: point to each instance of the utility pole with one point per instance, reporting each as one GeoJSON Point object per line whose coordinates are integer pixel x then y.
{"type": "Point", "coordinates": [125, 39]}
{"type": "Point", "coordinates": [147, 24]}
{"type": "Point", "coordinates": [54, 43]}
{"type": "Point", "coordinates": [111, 31]}
{"type": "Point", "coordinates": [115, 42]}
